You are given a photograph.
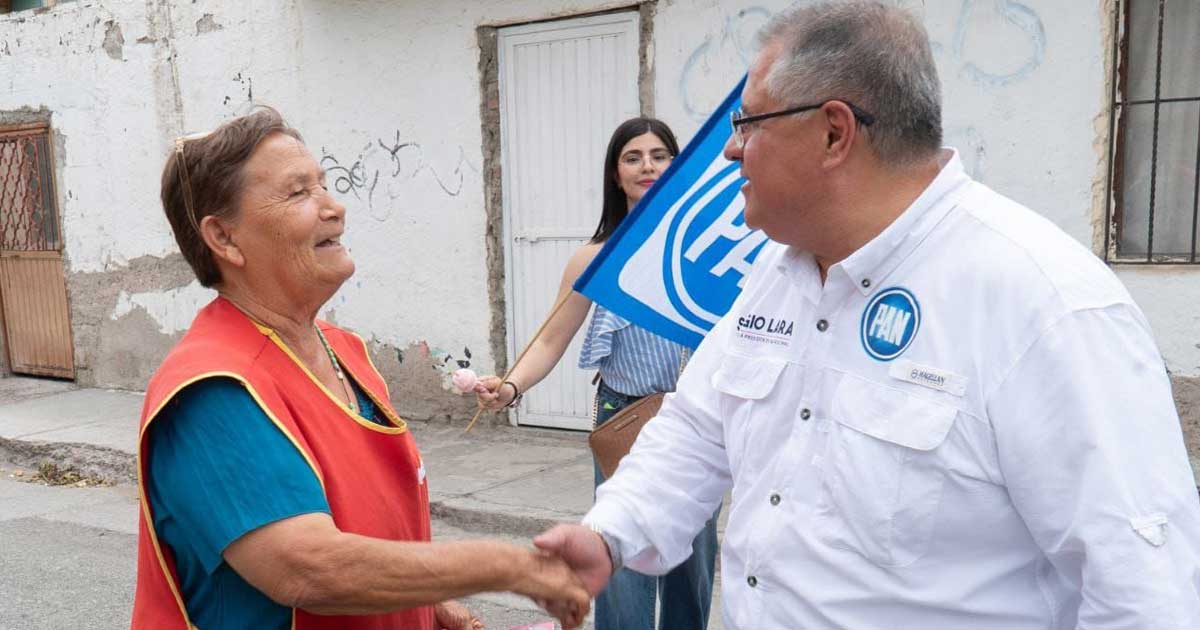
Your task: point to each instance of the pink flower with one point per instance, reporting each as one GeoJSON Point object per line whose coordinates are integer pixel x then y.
{"type": "Point", "coordinates": [465, 380]}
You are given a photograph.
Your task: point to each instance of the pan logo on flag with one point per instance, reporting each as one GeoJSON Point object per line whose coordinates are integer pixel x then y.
{"type": "Point", "coordinates": [676, 264]}
{"type": "Point", "coordinates": [709, 249]}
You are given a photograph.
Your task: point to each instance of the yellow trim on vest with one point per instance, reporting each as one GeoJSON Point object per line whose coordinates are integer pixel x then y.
{"type": "Point", "coordinates": [162, 562]}
{"type": "Point", "coordinates": [143, 496]}
{"type": "Point", "coordinates": [385, 408]}
{"type": "Point", "coordinates": [400, 427]}
{"type": "Point", "coordinates": [367, 353]}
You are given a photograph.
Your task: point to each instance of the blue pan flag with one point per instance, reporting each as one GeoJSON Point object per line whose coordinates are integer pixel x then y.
{"type": "Point", "coordinates": [675, 265]}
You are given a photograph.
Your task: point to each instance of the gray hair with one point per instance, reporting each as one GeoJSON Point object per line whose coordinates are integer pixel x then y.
{"type": "Point", "coordinates": [874, 55]}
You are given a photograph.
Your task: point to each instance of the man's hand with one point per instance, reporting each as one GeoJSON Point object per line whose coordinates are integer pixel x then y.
{"type": "Point", "coordinates": [583, 550]}
{"type": "Point", "coordinates": [549, 581]}
{"type": "Point", "coordinates": [452, 615]}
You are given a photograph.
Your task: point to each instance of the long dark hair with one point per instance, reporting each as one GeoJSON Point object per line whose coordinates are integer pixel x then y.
{"type": "Point", "coordinates": [616, 206]}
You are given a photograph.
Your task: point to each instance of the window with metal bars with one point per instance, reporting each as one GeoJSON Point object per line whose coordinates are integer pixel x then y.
{"type": "Point", "coordinates": [28, 218]}
{"type": "Point", "coordinates": [1153, 200]}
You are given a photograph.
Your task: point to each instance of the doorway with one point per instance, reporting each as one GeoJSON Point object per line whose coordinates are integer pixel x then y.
{"type": "Point", "coordinates": [564, 85]}
{"type": "Point", "coordinates": [33, 292]}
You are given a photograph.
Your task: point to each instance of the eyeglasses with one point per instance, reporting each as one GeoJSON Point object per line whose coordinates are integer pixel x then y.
{"type": "Point", "coordinates": [739, 120]}
{"type": "Point", "coordinates": [180, 142]}
{"type": "Point", "coordinates": [636, 159]}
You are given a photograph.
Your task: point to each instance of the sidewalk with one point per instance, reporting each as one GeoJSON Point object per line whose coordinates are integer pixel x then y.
{"type": "Point", "coordinates": [492, 480]}
{"type": "Point", "coordinates": [504, 482]}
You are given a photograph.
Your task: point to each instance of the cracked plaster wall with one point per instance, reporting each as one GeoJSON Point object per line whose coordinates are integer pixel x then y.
{"type": "Point", "coordinates": [388, 96]}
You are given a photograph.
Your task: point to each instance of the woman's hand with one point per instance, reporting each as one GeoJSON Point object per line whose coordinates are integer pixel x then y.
{"type": "Point", "coordinates": [549, 581]}
{"type": "Point", "coordinates": [493, 393]}
{"type": "Point", "coordinates": [452, 615]}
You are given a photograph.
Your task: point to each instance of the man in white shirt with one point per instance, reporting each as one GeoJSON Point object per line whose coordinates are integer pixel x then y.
{"type": "Point", "coordinates": [935, 409]}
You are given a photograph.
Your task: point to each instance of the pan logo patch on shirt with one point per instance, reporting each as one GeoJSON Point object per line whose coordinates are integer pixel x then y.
{"type": "Point", "coordinates": [890, 323]}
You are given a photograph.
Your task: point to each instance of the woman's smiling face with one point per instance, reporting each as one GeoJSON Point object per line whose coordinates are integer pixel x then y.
{"type": "Point", "coordinates": [641, 162]}
{"type": "Point", "coordinates": [288, 226]}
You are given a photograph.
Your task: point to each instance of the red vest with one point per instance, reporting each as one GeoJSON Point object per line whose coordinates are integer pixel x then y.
{"type": "Point", "coordinates": [371, 474]}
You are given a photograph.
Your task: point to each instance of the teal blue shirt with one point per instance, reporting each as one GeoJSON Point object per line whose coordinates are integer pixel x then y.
{"type": "Point", "coordinates": [219, 468]}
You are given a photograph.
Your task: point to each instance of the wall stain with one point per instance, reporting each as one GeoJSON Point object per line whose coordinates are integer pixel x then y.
{"type": "Point", "coordinates": [114, 41]}
{"type": "Point", "coordinates": [207, 24]}
{"type": "Point", "coordinates": [246, 85]}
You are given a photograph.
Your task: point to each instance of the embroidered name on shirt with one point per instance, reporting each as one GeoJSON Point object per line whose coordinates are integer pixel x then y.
{"type": "Point", "coordinates": [765, 329]}
{"type": "Point", "coordinates": [927, 376]}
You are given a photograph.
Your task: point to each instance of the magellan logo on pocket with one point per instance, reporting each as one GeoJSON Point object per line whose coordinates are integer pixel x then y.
{"type": "Point", "coordinates": [890, 323]}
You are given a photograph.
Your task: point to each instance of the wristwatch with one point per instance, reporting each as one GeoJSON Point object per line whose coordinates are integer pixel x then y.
{"type": "Point", "coordinates": [610, 543]}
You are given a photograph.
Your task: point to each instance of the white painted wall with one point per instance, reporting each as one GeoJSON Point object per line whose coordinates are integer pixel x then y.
{"type": "Point", "coordinates": [390, 91]}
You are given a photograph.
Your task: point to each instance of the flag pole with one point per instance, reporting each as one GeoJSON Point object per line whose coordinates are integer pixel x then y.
{"type": "Point", "coordinates": [554, 311]}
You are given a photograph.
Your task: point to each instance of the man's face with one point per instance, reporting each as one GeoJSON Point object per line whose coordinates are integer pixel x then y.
{"type": "Point", "coordinates": [779, 159]}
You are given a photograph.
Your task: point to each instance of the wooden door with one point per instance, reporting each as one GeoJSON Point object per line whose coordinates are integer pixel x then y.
{"type": "Point", "coordinates": [33, 292]}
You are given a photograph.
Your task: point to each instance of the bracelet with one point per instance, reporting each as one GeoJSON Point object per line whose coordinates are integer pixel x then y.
{"type": "Point", "coordinates": [516, 393]}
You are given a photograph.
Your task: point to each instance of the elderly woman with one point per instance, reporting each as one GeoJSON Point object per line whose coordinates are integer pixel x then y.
{"type": "Point", "coordinates": [279, 487]}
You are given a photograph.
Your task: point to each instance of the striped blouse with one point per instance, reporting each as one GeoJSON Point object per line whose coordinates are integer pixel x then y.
{"type": "Point", "coordinates": [631, 359]}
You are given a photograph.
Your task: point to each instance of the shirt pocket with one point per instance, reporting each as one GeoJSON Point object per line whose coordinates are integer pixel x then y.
{"type": "Point", "coordinates": [882, 474]}
{"type": "Point", "coordinates": [746, 384]}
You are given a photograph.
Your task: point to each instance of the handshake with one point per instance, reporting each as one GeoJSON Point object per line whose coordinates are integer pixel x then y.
{"type": "Point", "coordinates": [571, 564]}
{"type": "Point", "coordinates": [570, 567]}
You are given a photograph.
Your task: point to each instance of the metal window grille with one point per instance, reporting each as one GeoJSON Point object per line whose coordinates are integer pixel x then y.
{"type": "Point", "coordinates": [1153, 192]}
{"type": "Point", "coordinates": [28, 220]}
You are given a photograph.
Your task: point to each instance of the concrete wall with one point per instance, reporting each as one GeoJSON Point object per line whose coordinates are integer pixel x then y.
{"type": "Point", "coordinates": [389, 94]}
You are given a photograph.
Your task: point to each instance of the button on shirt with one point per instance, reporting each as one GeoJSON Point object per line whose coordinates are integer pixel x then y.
{"type": "Point", "coordinates": [969, 425]}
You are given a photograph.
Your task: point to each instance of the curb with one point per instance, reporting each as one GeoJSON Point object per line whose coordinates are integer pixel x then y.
{"type": "Point", "coordinates": [492, 522]}
{"type": "Point", "coordinates": [102, 462]}
{"type": "Point", "coordinates": [116, 466]}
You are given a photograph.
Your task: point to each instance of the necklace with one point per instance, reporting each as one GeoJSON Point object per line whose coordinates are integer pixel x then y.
{"type": "Point", "coordinates": [337, 369]}
{"type": "Point", "coordinates": [351, 397]}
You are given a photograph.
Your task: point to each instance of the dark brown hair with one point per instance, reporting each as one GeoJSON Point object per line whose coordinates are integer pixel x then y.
{"type": "Point", "coordinates": [615, 205]}
{"type": "Point", "coordinates": [203, 176]}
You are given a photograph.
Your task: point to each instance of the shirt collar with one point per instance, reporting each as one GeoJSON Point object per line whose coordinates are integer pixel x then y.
{"type": "Point", "coordinates": [801, 268]}
{"type": "Point", "coordinates": [870, 264]}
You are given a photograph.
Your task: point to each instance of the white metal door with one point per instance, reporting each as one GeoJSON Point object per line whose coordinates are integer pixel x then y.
{"type": "Point", "coordinates": [564, 86]}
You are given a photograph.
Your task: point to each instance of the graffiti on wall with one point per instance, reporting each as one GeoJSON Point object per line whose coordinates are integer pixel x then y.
{"type": "Point", "coordinates": [980, 28]}
{"type": "Point", "coordinates": [1022, 32]}
{"type": "Point", "coordinates": [381, 171]}
{"type": "Point", "coordinates": [728, 52]}
{"type": "Point", "coordinates": [975, 32]}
